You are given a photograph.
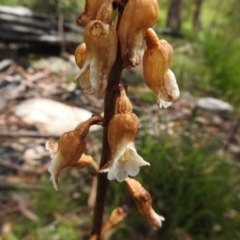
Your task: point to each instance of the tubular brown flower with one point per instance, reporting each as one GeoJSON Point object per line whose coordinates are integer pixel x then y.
{"type": "Point", "coordinates": [101, 43]}
{"type": "Point", "coordinates": [138, 15]}
{"type": "Point", "coordinates": [157, 75]}
{"type": "Point", "coordinates": [70, 148]}
{"type": "Point", "coordinates": [90, 11]}
{"type": "Point", "coordinates": [143, 201]}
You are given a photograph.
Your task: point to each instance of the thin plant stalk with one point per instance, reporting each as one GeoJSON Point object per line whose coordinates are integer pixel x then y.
{"type": "Point", "coordinates": [109, 108]}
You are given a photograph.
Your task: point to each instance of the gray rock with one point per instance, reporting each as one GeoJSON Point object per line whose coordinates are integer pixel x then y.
{"type": "Point", "coordinates": [57, 65]}
{"type": "Point", "coordinates": [51, 116]}
{"type": "Point", "coordinates": [213, 104]}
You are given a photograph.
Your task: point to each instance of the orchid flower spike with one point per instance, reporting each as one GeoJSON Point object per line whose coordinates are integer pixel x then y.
{"type": "Point", "coordinates": [138, 16]}
{"type": "Point", "coordinates": [70, 147]}
{"type": "Point", "coordinates": [143, 201]}
{"type": "Point", "coordinates": [101, 44]}
{"type": "Point", "coordinates": [122, 129]}
{"type": "Point", "coordinates": [157, 75]}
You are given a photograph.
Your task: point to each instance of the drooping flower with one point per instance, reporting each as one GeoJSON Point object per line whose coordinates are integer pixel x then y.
{"type": "Point", "coordinates": [101, 44]}
{"type": "Point", "coordinates": [70, 147]}
{"type": "Point", "coordinates": [138, 16]}
{"type": "Point", "coordinates": [122, 129]}
{"type": "Point", "coordinates": [143, 201]}
{"type": "Point", "coordinates": [157, 75]}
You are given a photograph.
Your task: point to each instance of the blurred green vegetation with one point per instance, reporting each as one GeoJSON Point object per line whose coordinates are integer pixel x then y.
{"type": "Point", "coordinates": [50, 206]}
{"type": "Point", "coordinates": [193, 185]}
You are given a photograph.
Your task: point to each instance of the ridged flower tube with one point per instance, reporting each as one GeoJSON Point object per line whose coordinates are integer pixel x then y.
{"type": "Point", "coordinates": [143, 201]}
{"type": "Point", "coordinates": [101, 42]}
{"type": "Point", "coordinates": [70, 147]}
{"type": "Point", "coordinates": [90, 11]}
{"type": "Point", "coordinates": [122, 129]}
{"type": "Point", "coordinates": [138, 16]}
{"type": "Point", "coordinates": [157, 75]}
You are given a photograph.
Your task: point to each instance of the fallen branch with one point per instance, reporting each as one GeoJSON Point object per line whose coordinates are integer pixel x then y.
{"type": "Point", "coordinates": [30, 134]}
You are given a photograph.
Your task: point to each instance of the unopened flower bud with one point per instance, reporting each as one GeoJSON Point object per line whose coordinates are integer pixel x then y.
{"type": "Point", "coordinates": [123, 104]}
{"type": "Point", "coordinates": [117, 215]}
{"type": "Point", "coordinates": [143, 201]}
{"type": "Point", "coordinates": [157, 75]}
{"type": "Point", "coordinates": [71, 146]}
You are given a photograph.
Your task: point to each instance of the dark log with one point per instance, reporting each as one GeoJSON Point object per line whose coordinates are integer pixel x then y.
{"type": "Point", "coordinates": [196, 15]}
{"type": "Point", "coordinates": [174, 15]}
{"type": "Point", "coordinates": [21, 25]}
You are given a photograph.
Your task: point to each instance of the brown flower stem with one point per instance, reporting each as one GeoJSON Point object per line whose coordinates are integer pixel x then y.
{"type": "Point", "coordinates": [109, 108]}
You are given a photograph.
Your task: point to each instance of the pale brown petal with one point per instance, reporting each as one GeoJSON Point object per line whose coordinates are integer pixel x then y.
{"type": "Point", "coordinates": [93, 193]}
{"type": "Point", "coordinates": [143, 201]}
{"type": "Point", "coordinates": [138, 15]}
{"type": "Point", "coordinates": [84, 161]}
{"type": "Point", "coordinates": [170, 90]}
{"type": "Point", "coordinates": [51, 147]}
{"type": "Point", "coordinates": [84, 81]}
{"type": "Point", "coordinates": [80, 54]}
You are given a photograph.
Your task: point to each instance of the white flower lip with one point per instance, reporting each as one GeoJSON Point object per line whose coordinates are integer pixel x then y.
{"type": "Point", "coordinates": [126, 164]}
